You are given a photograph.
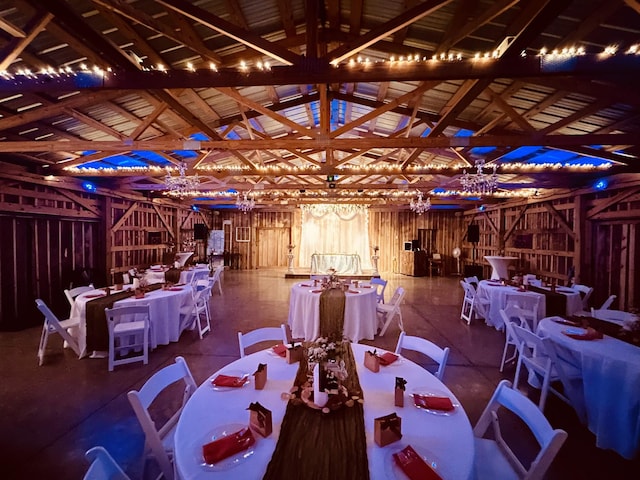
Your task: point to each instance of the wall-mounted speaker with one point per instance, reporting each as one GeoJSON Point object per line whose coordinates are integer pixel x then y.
{"type": "Point", "coordinates": [473, 233]}
{"type": "Point", "coordinates": [199, 231]}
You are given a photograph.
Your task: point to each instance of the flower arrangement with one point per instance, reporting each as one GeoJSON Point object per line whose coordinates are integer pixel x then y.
{"type": "Point", "coordinates": [322, 350]}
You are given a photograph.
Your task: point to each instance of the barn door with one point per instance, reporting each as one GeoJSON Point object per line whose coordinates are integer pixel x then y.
{"type": "Point", "coordinates": [616, 248]}
{"type": "Point", "coordinates": [272, 247]}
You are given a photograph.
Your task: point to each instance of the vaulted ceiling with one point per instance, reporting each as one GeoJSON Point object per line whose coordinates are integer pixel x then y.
{"type": "Point", "coordinates": [362, 101]}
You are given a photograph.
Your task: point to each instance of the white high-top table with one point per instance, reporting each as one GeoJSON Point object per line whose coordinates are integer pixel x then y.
{"type": "Point", "coordinates": [500, 266]}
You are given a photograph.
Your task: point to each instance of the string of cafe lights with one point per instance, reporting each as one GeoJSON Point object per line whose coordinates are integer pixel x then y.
{"type": "Point", "coordinates": [243, 66]}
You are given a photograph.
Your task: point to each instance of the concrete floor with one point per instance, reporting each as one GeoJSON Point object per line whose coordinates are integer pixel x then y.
{"type": "Point", "coordinates": [52, 414]}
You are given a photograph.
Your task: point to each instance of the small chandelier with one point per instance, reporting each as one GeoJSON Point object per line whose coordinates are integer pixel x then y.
{"type": "Point", "coordinates": [420, 206]}
{"type": "Point", "coordinates": [245, 204]}
{"type": "Point", "coordinates": [181, 184]}
{"type": "Point", "coordinates": [480, 183]}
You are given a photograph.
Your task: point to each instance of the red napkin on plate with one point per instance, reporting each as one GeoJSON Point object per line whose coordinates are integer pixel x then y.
{"type": "Point", "coordinates": [316, 291]}
{"type": "Point", "coordinates": [433, 403]}
{"type": "Point", "coordinates": [175, 289]}
{"type": "Point", "coordinates": [280, 350]}
{"type": "Point", "coordinates": [224, 447]}
{"type": "Point", "coordinates": [95, 295]}
{"type": "Point", "coordinates": [229, 381]}
{"type": "Point", "coordinates": [413, 465]}
{"type": "Point", "coordinates": [387, 358]}
{"type": "Point", "coordinates": [365, 286]}
{"type": "Point", "coordinates": [353, 291]}
{"type": "Point", "coordinates": [590, 334]}
{"type": "Point", "coordinates": [305, 285]}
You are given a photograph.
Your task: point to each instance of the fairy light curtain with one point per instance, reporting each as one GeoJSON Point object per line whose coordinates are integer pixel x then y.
{"type": "Point", "coordinates": [335, 228]}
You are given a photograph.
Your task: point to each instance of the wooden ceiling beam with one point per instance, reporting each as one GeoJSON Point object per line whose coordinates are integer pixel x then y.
{"type": "Point", "coordinates": [387, 29]}
{"type": "Point", "coordinates": [15, 47]}
{"type": "Point", "coordinates": [336, 143]}
{"type": "Point", "coordinates": [230, 30]}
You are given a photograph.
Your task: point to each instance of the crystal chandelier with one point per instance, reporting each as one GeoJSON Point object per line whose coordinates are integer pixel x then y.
{"type": "Point", "coordinates": [245, 204]}
{"type": "Point", "coordinates": [419, 206]}
{"type": "Point", "coordinates": [480, 183]}
{"type": "Point", "coordinates": [181, 184]}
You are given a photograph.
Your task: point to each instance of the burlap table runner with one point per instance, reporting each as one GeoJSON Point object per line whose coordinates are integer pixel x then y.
{"type": "Point", "coordinates": [323, 446]}
{"type": "Point", "coordinates": [556, 303]}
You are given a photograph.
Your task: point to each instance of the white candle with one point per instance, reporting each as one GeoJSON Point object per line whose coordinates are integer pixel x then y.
{"type": "Point", "coordinates": [319, 398]}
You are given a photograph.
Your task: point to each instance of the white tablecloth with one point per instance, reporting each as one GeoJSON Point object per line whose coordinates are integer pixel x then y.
{"type": "Point", "coordinates": [611, 383]}
{"type": "Point", "coordinates": [500, 266]}
{"type": "Point", "coordinates": [164, 314]}
{"type": "Point", "coordinates": [342, 263]}
{"type": "Point", "coordinates": [156, 276]}
{"type": "Point", "coordinates": [447, 440]}
{"type": "Point", "coordinates": [495, 295]}
{"type": "Point", "coordinates": [360, 320]}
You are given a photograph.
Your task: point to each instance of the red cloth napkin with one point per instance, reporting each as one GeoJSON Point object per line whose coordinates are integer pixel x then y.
{"type": "Point", "coordinates": [590, 334]}
{"type": "Point", "coordinates": [387, 358]}
{"type": "Point", "coordinates": [316, 291]}
{"type": "Point", "coordinates": [433, 403]}
{"type": "Point", "coordinates": [280, 350]}
{"type": "Point", "coordinates": [365, 286]}
{"type": "Point", "coordinates": [413, 465]}
{"type": "Point", "coordinates": [95, 295]}
{"type": "Point", "coordinates": [353, 291]}
{"type": "Point", "coordinates": [229, 381]}
{"type": "Point", "coordinates": [305, 285]}
{"type": "Point", "coordinates": [224, 447]}
{"type": "Point", "coordinates": [175, 289]}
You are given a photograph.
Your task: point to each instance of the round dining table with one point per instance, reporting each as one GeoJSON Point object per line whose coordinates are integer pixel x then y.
{"type": "Point", "coordinates": [610, 385]}
{"type": "Point", "coordinates": [164, 313]}
{"type": "Point", "coordinates": [360, 318]}
{"type": "Point", "coordinates": [444, 439]}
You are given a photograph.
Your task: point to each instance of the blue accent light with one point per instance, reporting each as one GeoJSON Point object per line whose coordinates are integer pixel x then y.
{"type": "Point", "coordinates": [481, 208]}
{"type": "Point", "coordinates": [601, 184]}
{"type": "Point", "coordinates": [463, 133]}
{"type": "Point", "coordinates": [89, 187]}
{"type": "Point", "coordinates": [199, 136]}
{"type": "Point", "coordinates": [195, 208]}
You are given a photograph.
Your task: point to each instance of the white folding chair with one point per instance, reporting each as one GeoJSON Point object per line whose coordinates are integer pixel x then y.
{"type": "Point", "coordinates": [389, 310]}
{"type": "Point", "coordinates": [585, 294]}
{"type": "Point", "coordinates": [53, 325]}
{"type": "Point", "coordinates": [197, 276]}
{"type": "Point", "coordinates": [197, 313]}
{"type": "Point", "coordinates": [607, 303]}
{"type": "Point", "coordinates": [426, 347]}
{"type": "Point", "coordinates": [380, 285]}
{"type": "Point", "coordinates": [529, 303]}
{"type": "Point", "coordinates": [471, 305]}
{"type": "Point", "coordinates": [473, 281]}
{"type": "Point", "coordinates": [128, 334]}
{"type": "Point", "coordinates": [103, 466]}
{"type": "Point", "coordinates": [533, 354]}
{"type": "Point", "coordinates": [216, 279]}
{"type": "Point", "coordinates": [159, 441]}
{"type": "Point", "coordinates": [511, 314]}
{"type": "Point", "coordinates": [613, 316]}
{"type": "Point", "coordinates": [494, 459]}
{"type": "Point", "coordinates": [72, 293]}
{"type": "Point", "coordinates": [264, 334]}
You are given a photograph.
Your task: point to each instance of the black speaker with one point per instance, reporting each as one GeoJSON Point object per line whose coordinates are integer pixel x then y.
{"type": "Point", "coordinates": [199, 231]}
{"type": "Point", "coordinates": [473, 233]}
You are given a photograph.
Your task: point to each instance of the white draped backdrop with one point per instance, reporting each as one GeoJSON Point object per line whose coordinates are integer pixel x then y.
{"type": "Point", "coordinates": [332, 228]}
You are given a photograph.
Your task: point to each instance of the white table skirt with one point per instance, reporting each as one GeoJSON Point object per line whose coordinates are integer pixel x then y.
{"type": "Point", "coordinates": [342, 263]}
{"type": "Point", "coordinates": [611, 385]}
{"type": "Point", "coordinates": [500, 266]}
{"type": "Point", "coordinates": [495, 296]}
{"type": "Point", "coordinates": [447, 439]}
{"type": "Point", "coordinates": [164, 314]}
{"type": "Point", "coordinates": [360, 320]}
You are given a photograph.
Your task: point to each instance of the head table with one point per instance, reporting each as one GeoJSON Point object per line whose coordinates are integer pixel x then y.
{"type": "Point", "coordinates": [444, 440]}
{"type": "Point", "coordinates": [360, 319]}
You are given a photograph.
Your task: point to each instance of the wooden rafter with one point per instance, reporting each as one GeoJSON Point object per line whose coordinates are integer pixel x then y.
{"type": "Point", "coordinates": [14, 48]}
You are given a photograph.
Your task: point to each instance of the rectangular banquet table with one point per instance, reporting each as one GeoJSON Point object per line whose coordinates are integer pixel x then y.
{"type": "Point", "coordinates": [611, 386]}
{"type": "Point", "coordinates": [446, 440]}
{"type": "Point", "coordinates": [493, 294]}
{"type": "Point", "coordinates": [342, 263]}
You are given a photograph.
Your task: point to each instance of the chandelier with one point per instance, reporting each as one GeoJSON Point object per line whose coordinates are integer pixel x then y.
{"type": "Point", "coordinates": [480, 183]}
{"type": "Point", "coordinates": [181, 184]}
{"type": "Point", "coordinates": [419, 206]}
{"type": "Point", "coordinates": [245, 204]}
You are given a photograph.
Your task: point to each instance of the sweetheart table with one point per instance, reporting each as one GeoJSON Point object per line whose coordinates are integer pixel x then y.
{"type": "Point", "coordinates": [446, 440]}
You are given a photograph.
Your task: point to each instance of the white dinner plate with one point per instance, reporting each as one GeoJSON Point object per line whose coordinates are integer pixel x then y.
{"type": "Point", "coordinates": [575, 331]}
{"type": "Point", "coordinates": [232, 461]}
{"type": "Point", "coordinates": [394, 472]}
{"type": "Point", "coordinates": [230, 373]}
{"type": "Point", "coordinates": [430, 392]}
